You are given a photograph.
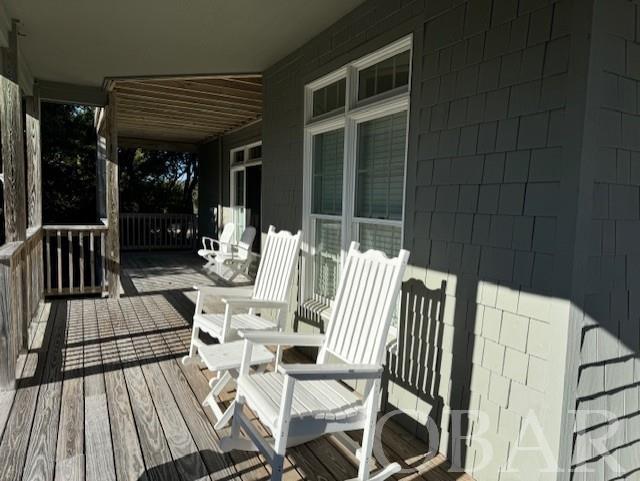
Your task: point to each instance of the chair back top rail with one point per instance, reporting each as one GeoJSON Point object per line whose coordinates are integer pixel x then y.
{"type": "Point", "coordinates": [277, 264]}
{"type": "Point", "coordinates": [364, 305]}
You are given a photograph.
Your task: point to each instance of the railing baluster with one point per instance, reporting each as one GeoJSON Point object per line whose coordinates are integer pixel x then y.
{"type": "Point", "coordinates": [70, 236]}
{"type": "Point", "coordinates": [92, 257]}
{"type": "Point", "coordinates": [103, 280]}
{"type": "Point", "coordinates": [48, 262]}
{"type": "Point", "coordinates": [59, 249]}
{"type": "Point", "coordinates": [81, 263]}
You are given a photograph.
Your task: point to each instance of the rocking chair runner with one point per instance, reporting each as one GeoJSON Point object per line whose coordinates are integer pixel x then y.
{"type": "Point", "coordinates": [300, 402]}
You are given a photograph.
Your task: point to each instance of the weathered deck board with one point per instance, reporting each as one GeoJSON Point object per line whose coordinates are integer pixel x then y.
{"type": "Point", "coordinates": [127, 452]}
{"type": "Point", "coordinates": [103, 395]}
{"type": "Point", "coordinates": [70, 450]}
{"type": "Point", "coordinates": [99, 463]}
{"type": "Point", "coordinates": [40, 461]}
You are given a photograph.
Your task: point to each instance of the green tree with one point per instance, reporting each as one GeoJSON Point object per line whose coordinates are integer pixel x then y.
{"type": "Point", "coordinates": [68, 164]}
{"type": "Point", "coordinates": [155, 181]}
{"type": "Point", "coordinates": [150, 181]}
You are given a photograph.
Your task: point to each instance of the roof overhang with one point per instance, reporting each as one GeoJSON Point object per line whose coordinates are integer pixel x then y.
{"type": "Point", "coordinates": [84, 42]}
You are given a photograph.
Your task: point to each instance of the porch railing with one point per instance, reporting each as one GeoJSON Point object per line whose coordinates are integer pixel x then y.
{"type": "Point", "coordinates": [75, 261]}
{"type": "Point", "coordinates": [158, 231]}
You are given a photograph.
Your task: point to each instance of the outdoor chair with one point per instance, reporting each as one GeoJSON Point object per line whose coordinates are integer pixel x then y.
{"type": "Point", "coordinates": [301, 402]}
{"type": "Point", "coordinates": [271, 291]}
{"type": "Point", "coordinates": [238, 260]}
{"type": "Point", "coordinates": [213, 247]}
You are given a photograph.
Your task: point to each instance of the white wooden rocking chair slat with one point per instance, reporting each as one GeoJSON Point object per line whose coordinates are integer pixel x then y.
{"type": "Point", "coordinates": [300, 402]}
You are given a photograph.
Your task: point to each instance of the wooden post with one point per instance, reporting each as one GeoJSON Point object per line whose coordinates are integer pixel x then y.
{"type": "Point", "coordinates": [34, 164]}
{"type": "Point", "coordinates": [34, 252]}
{"type": "Point", "coordinates": [113, 204]}
{"type": "Point", "coordinates": [13, 308]}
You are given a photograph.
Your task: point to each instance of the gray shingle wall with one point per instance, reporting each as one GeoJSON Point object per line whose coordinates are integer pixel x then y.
{"type": "Point", "coordinates": [485, 168]}
{"type": "Point", "coordinates": [609, 364]}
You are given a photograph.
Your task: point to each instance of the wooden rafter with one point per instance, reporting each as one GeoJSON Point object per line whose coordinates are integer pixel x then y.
{"type": "Point", "coordinates": [188, 109]}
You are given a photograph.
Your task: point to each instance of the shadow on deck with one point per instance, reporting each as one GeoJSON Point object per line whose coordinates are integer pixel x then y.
{"type": "Point", "coordinates": [102, 394]}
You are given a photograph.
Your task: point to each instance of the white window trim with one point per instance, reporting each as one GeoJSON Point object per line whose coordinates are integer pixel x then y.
{"type": "Point", "coordinates": [353, 114]}
{"type": "Point", "coordinates": [241, 166]}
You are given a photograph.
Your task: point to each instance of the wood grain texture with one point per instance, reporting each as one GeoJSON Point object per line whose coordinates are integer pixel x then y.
{"type": "Point", "coordinates": [99, 463]}
{"type": "Point", "coordinates": [113, 202]}
{"type": "Point", "coordinates": [70, 448]}
{"type": "Point", "coordinates": [41, 455]}
{"type": "Point", "coordinates": [34, 163]}
{"type": "Point", "coordinates": [153, 443]}
{"type": "Point", "coordinates": [126, 445]}
{"type": "Point", "coordinates": [16, 435]}
{"type": "Point", "coordinates": [11, 135]}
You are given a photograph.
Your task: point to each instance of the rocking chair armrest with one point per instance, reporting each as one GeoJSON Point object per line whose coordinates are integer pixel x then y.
{"type": "Point", "coordinates": [273, 338]}
{"type": "Point", "coordinates": [310, 372]}
{"type": "Point", "coordinates": [248, 302]}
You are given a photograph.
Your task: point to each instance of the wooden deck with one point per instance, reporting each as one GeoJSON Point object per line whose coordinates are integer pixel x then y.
{"type": "Point", "coordinates": [103, 395]}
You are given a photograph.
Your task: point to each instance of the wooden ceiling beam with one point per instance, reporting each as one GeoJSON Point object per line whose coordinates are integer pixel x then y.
{"type": "Point", "coordinates": [169, 123]}
{"type": "Point", "coordinates": [227, 87]}
{"type": "Point", "coordinates": [204, 89]}
{"type": "Point", "coordinates": [175, 118]}
{"type": "Point", "coordinates": [179, 106]}
{"type": "Point", "coordinates": [191, 97]}
{"type": "Point", "coordinates": [133, 105]}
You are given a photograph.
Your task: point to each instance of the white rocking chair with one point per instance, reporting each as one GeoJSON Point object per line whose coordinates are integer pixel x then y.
{"type": "Point", "coordinates": [238, 260]}
{"type": "Point", "coordinates": [301, 402]}
{"type": "Point", "coordinates": [212, 247]}
{"type": "Point", "coordinates": [271, 291]}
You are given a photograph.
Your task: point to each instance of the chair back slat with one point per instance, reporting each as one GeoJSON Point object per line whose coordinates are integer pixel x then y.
{"type": "Point", "coordinates": [246, 241]}
{"type": "Point", "coordinates": [363, 307]}
{"type": "Point", "coordinates": [277, 265]}
{"type": "Point", "coordinates": [226, 236]}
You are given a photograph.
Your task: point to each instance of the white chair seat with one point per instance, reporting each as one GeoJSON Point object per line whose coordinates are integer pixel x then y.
{"type": "Point", "coordinates": [323, 400]}
{"type": "Point", "coordinates": [206, 252]}
{"type": "Point", "coordinates": [213, 324]}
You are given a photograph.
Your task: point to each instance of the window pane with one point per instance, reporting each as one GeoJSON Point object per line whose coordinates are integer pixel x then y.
{"type": "Point", "coordinates": [380, 237]}
{"type": "Point", "coordinates": [328, 158]}
{"type": "Point", "coordinates": [239, 188]}
{"type": "Point", "coordinates": [380, 167]}
{"type": "Point", "coordinates": [326, 262]}
{"type": "Point", "coordinates": [384, 76]}
{"type": "Point", "coordinates": [238, 157]}
{"type": "Point", "coordinates": [255, 152]}
{"type": "Point", "coordinates": [329, 98]}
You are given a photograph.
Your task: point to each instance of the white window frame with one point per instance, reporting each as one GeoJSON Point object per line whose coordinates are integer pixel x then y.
{"type": "Point", "coordinates": [355, 113]}
{"type": "Point", "coordinates": [241, 166]}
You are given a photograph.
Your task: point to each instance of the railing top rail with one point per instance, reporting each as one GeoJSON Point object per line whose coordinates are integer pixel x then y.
{"type": "Point", "coordinates": [10, 249]}
{"type": "Point", "coordinates": [33, 231]}
{"type": "Point", "coordinates": [157, 214]}
{"type": "Point", "coordinates": [74, 228]}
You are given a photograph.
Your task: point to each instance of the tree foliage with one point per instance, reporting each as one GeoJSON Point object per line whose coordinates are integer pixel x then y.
{"type": "Point", "coordinates": [150, 181]}
{"type": "Point", "coordinates": [157, 181]}
{"type": "Point", "coordinates": [68, 164]}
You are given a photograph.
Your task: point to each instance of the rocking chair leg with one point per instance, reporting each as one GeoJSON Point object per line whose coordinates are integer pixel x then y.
{"type": "Point", "coordinates": [193, 347]}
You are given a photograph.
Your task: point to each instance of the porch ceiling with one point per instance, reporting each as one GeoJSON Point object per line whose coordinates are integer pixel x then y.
{"type": "Point", "coordinates": [186, 110]}
{"type": "Point", "coordinates": [82, 42]}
